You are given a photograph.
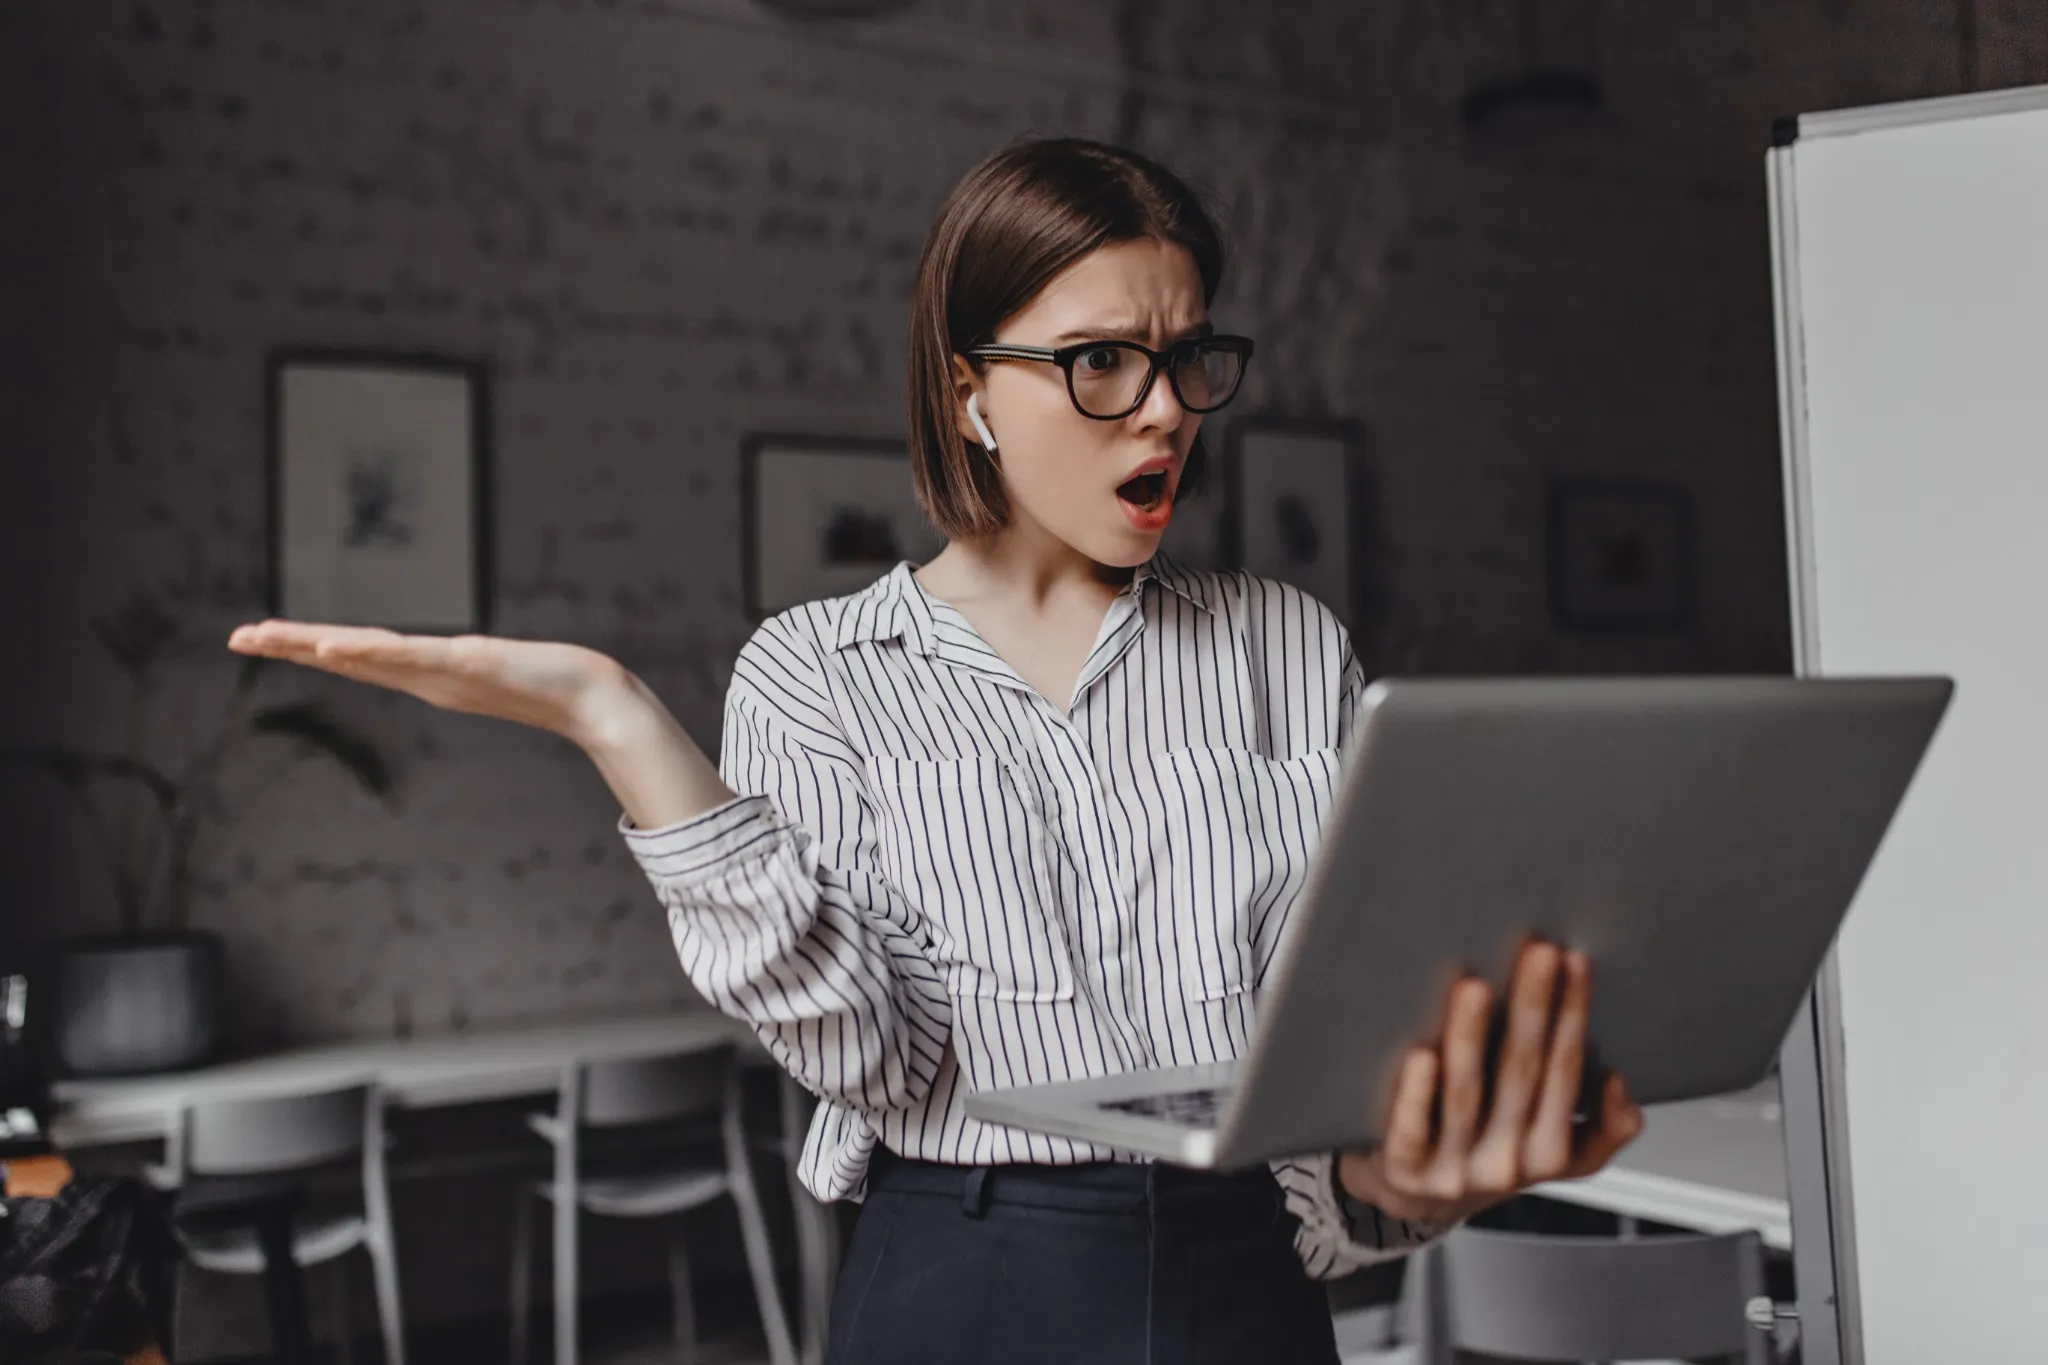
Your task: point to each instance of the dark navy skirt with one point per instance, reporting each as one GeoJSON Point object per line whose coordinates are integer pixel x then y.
{"type": "Point", "coordinates": [1105, 1264]}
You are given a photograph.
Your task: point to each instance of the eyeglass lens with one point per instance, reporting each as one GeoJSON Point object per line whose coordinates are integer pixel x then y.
{"type": "Point", "coordinates": [1108, 379]}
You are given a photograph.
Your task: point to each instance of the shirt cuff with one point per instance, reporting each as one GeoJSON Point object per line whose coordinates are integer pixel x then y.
{"type": "Point", "coordinates": [1378, 1232]}
{"type": "Point", "coordinates": [704, 846]}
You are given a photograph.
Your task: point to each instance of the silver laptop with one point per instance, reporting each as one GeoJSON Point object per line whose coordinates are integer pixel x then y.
{"type": "Point", "coordinates": [1700, 839]}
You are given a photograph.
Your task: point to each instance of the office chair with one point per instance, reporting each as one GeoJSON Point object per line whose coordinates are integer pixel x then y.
{"type": "Point", "coordinates": [237, 1162]}
{"type": "Point", "coordinates": [631, 1093]}
{"type": "Point", "coordinates": [1541, 1297]}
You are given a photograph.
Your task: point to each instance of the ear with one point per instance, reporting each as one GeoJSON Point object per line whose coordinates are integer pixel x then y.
{"type": "Point", "coordinates": [965, 384]}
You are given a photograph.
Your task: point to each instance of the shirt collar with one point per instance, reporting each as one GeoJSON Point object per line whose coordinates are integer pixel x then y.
{"type": "Point", "coordinates": [894, 606]}
{"type": "Point", "coordinates": [1185, 582]}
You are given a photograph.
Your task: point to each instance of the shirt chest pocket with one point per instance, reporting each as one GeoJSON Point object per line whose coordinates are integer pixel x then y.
{"type": "Point", "coordinates": [1239, 831]}
{"type": "Point", "coordinates": [966, 841]}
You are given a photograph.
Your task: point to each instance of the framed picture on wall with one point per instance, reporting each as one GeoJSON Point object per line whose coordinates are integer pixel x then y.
{"type": "Point", "coordinates": [1291, 486]}
{"type": "Point", "coordinates": [378, 506]}
{"type": "Point", "coordinates": [822, 516]}
{"type": "Point", "coordinates": [1620, 554]}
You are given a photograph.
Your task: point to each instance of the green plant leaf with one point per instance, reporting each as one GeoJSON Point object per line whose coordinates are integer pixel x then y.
{"type": "Point", "coordinates": [138, 636]}
{"type": "Point", "coordinates": [253, 668]}
{"type": "Point", "coordinates": [80, 772]}
{"type": "Point", "coordinates": [75, 767]}
{"type": "Point", "coordinates": [314, 726]}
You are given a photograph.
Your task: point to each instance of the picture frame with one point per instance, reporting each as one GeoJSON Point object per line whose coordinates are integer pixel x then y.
{"type": "Point", "coordinates": [1293, 488]}
{"type": "Point", "coordinates": [822, 516]}
{"type": "Point", "coordinates": [1620, 554]}
{"type": "Point", "coordinates": [379, 506]}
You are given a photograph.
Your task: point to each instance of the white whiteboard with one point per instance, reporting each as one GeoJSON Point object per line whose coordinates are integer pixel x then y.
{"type": "Point", "coordinates": [1912, 250]}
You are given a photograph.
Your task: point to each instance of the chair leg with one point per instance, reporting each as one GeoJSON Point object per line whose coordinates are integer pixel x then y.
{"type": "Point", "coordinates": [761, 1263]}
{"type": "Point", "coordinates": [566, 1302]}
{"type": "Point", "coordinates": [390, 1318]}
{"type": "Point", "coordinates": [284, 1289]}
{"type": "Point", "coordinates": [817, 1255]}
{"type": "Point", "coordinates": [817, 1226]}
{"type": "Point", "coordinates": [382, 1241]}
{"type": "Point", "coordinates": [522, 1275]}
{"type": "Point", "coordinates": [682, 1295]}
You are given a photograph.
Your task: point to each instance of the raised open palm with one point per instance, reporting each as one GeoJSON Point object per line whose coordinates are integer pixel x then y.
{"type": "Point", "coordinates": [533, 682]}
{"type": "Point", "coordinates": [651, 764]}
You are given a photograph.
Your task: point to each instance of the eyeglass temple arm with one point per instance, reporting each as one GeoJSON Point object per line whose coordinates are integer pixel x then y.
{"type": "Point", "coordinates": [1006, 352]}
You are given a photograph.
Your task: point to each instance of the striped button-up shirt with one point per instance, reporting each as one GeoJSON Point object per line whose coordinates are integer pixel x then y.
{"type": "Point", "coordinates": [936, 880]}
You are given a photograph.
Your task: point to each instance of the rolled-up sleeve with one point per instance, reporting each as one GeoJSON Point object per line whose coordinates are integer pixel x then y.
{"type": "Point", "coordinates": [1338, 1234]}
{"type": "Point", "coordinates": [777, 904]}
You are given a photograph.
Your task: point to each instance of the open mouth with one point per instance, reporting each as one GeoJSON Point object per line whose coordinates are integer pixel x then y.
{"type": "Point", "coordinates": [1145, 492]}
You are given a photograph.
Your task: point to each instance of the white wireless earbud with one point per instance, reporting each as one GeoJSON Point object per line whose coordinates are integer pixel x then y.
{"type": "Point", "coordinates": [981, 427]}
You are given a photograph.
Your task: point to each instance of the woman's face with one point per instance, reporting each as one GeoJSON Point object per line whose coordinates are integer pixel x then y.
{"type": "Point", "coordinates": [1068, 476]}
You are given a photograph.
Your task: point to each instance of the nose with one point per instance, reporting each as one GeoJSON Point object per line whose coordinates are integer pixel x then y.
{"type": "Point", "coordinates": [1161, 410]}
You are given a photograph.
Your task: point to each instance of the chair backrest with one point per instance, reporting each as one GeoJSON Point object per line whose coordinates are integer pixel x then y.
{"type": "Point", "coordinates": [276, 1132]}
{"type": "Point", "coordinates": [1541, 1297]}
{"type": "Point", "coordinates": [655, 1089]}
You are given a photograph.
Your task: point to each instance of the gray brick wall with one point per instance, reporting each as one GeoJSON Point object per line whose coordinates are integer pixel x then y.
{"type": "Point", "coordinates": [663, 228]}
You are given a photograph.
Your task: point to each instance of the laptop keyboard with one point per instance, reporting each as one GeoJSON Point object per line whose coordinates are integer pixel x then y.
{"type": "Point", "coordinates": [1189, 1108]}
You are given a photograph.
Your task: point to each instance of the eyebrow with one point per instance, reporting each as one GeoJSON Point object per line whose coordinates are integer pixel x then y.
{"type": "Point", "coordinates": [1127, 330]}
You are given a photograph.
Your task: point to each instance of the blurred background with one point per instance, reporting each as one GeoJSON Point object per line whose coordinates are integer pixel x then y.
{"type": "Point", "coordinates": [1492, 252]}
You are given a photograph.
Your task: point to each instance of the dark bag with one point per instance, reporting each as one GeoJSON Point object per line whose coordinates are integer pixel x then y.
{"type": "Point", "coordinates": [85, 1276]}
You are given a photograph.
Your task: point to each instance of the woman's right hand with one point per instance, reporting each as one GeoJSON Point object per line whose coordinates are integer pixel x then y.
{"type": "Point", "coordinates": [651, 764]}
{"type": "Point", "coordinates": [554, 687]}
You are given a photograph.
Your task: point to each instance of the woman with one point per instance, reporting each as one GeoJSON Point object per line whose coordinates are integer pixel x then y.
{"type": "Point", "coordinates": [1036, 810]}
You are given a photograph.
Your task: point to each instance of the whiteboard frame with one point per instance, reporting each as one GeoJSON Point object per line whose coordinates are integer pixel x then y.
{"type": "Point", "coordinates": [1912, 113]}
{"type": "Point", "coordinates": [1812, 1093]}
{"type": "Point", "coordinates": [1813, 1065]}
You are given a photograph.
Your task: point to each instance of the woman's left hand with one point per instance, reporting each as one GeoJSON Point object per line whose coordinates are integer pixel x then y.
{"type": "Point", "coordinates": [1443, 1159]}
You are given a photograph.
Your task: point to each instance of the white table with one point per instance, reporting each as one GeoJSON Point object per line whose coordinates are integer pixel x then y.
{"type": "Point", "coordinates": [421, 1072]}
{"type": "Point", "coordinates": [429, 1071]}
{"type": "Point", "coordinates": [1716, 1165]}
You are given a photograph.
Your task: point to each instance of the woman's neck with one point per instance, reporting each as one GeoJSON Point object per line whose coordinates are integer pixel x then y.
{"type": "Point", "coordinates": [1040, 612]}
{"type": "Point", "coordinates": [1023, 572]}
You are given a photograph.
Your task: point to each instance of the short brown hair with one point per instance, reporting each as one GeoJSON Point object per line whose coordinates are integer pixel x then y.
{"type": "Point", "coordinates": [1009, 227]}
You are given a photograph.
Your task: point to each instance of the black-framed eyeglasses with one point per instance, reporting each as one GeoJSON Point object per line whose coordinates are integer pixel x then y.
{"type": "Point", "coordinates": [1109, 379]}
